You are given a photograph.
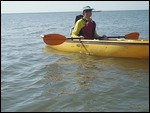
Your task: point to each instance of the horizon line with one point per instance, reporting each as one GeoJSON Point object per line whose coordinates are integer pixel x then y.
{"type": "Point", "coordinates": [73, 11]}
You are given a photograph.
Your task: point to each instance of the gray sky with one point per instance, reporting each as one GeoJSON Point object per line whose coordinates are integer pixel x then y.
{"type": "Point", "coordinates": [65, 6]}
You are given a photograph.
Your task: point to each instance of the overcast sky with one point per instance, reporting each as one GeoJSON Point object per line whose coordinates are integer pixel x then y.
{"type": "Point", "coordinates": [65, 6]}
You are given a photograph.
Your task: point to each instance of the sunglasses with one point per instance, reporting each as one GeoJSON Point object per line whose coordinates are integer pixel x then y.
{"type": "Point", "coordinates": [88, 10]}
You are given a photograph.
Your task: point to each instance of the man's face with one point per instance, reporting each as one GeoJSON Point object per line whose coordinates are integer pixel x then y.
{"type": "Point", "coordinates": [88, 13]}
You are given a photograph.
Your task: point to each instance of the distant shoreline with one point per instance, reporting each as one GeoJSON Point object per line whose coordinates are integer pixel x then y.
{"type": "Point", "coordinates": [76, 11]}
{"type": "Point", "coordinates": [97, 11]}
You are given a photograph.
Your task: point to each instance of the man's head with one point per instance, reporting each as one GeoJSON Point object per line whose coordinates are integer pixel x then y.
{"type": "Point", "coordinates": [87, 11]}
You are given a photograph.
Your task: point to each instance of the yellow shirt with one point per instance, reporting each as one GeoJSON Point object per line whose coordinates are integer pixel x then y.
{"type": "Point", "coordinates": [78, 26]}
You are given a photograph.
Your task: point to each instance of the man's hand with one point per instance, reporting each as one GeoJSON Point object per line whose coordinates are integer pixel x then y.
{"type": "Point", "coordinates": [104, 37]}
{"type": "Point", "coordinates": [82, 37]}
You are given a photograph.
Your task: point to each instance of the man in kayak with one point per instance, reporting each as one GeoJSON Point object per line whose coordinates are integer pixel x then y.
{"type": "Point", "coordinates": [85, 28]}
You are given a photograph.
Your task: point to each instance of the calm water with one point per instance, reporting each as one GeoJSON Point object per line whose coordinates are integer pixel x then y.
{"type": "Point", "coordinates": [36, 79]}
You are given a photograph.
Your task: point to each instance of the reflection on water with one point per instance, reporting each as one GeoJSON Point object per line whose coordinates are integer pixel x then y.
{"type": "Point", "coordinates": [101, 84]}
{"type": "Point", "coordinates": [79, 82]}
{"type": "Point", "coordinates": [123, 62]}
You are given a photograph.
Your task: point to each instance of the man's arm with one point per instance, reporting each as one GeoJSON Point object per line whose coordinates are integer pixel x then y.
{"type": "Point", "coordinates": [78, 26]}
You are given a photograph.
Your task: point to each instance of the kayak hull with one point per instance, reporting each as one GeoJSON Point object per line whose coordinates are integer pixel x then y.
{"type": "Point", "coordinates": [108, 48]}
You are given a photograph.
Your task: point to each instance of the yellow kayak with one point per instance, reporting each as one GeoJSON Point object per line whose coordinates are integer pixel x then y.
{"type": "Point", "coordinates": [109, 48]}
